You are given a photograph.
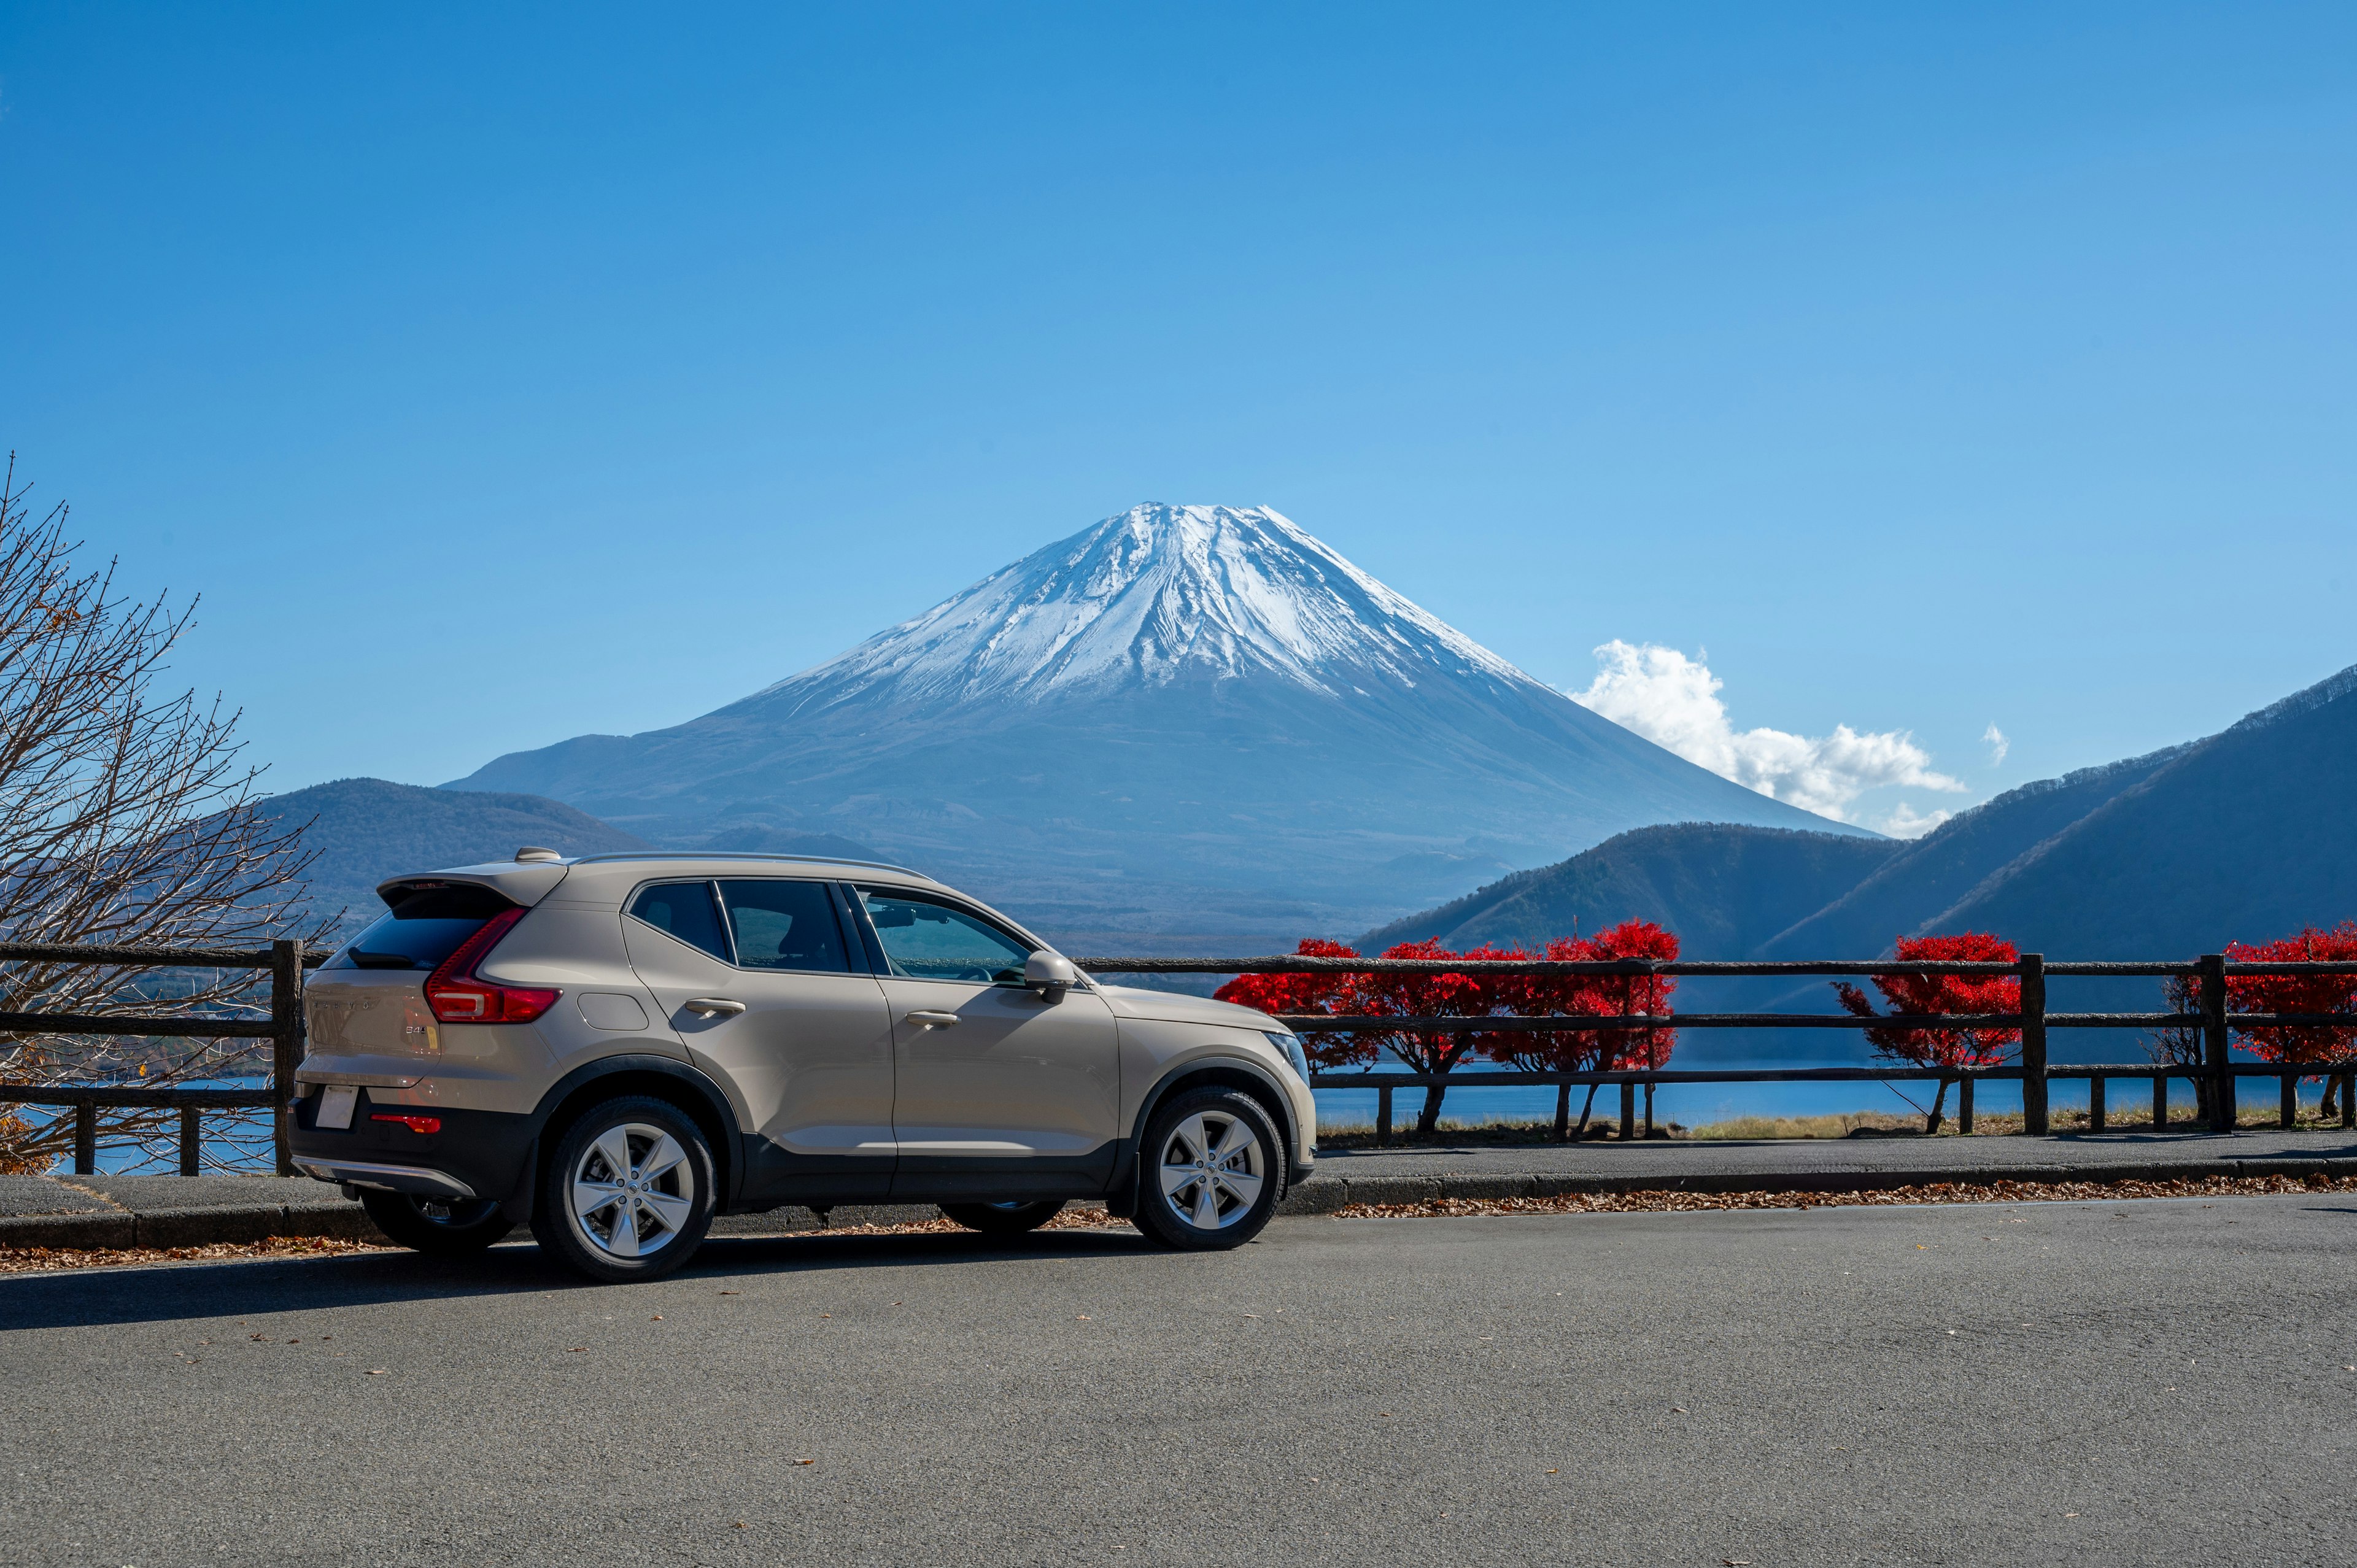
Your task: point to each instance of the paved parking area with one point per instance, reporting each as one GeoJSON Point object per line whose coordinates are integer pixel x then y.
{"type": "Point", "coordinates": [2108, 1381]}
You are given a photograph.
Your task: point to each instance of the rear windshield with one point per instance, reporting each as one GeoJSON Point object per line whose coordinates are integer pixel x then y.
{"type": "Point", "coordinates": [424, 927]}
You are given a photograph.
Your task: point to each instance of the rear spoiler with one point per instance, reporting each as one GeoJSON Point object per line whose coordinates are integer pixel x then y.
{"type": "Point", "coordinates": [522, 883]}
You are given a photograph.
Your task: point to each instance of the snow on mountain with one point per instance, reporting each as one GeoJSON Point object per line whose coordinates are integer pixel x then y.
{"type": "Point", "coordinates": [1182, 724]}
{"type": "Point", "coordinates": [1150, 595]}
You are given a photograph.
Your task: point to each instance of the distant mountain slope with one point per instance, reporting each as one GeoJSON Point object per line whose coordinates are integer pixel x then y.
{"type": "Point", "coordinates": [1181, 719]}
{"type": "Point", "coordinates": [1909, 892]}
{"type": "Point", "coordinates": [2243, 836]}
{"type": "Point", "coordinates": [2246, 835]}
{"type": "Point", "coordinates": [1723, 888]}
{"type": "Point", "coordinates": [365, 830]}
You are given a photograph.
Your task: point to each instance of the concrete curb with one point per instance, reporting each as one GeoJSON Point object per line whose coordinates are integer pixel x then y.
{"type": "Point", "coordinates": [218, 1224]}
{"type": "Point", "coordinates": [202, 1226]}
{"type": "Point", "coordinates": [1324, 1194]}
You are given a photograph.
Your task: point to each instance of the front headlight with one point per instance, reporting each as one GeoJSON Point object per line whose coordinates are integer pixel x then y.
{"type": "Point", "coordinates": [1290, 1043]}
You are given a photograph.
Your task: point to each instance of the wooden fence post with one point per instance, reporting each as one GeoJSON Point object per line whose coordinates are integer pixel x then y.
{"type": "Point", "coordinates": [1383, 1114]}
{"type": "Point", "coordinates": [85, 1137]}
{"type": "Point", "coordinates": [188, 1140]}
{"type": "Point", "coordinates": [2213, 1042]}
{"type": "Point", "coordinates": [285, 1043]}
{"type": "Point", "coordinates": [2287, 1107]}
{"type": "Point", "coordinates": [2033, 1044]}
{"type": "Point", "coordinates": [2159, 1101]}
{"type": "Point", "coordinates": [2096, 1103]}
{"type": "Point", "coordinates": [1965, 1106]}
{"type": "Point", "coordinates": [1628, 1112]}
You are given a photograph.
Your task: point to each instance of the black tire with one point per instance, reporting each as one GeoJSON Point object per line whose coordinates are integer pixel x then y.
{"type": "Point", "coordinates": [1237, 1210]}
{"type": "Point", "coordinates": [674, 1202]}
{"type": "Point", "coordinates": [446, 1228]}
{"type": "Point", "coordinates": [1004, 1218]}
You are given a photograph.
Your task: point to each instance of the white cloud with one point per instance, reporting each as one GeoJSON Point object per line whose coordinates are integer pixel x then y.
{"type": "Point", "coordinates": [1997, 744]}
{"type": "Point", "coordinates": [1902, 821]}
{"type": "Point", "coordinates": [1672, 701]}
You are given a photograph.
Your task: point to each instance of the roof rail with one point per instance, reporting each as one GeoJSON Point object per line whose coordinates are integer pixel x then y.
{"type": "Point", "coordinates": [747, 854]}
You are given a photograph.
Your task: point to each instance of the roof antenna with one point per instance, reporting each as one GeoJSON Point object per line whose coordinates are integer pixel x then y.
{"type": "Point", "coordinates": [535, 854]}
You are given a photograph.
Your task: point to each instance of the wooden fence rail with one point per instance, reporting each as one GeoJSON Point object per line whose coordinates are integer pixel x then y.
{"type": "Point", "coordinates": [2217, 1071]}
{"type": "Point", "coordinates": [282, 1026]}
{"type": "Point", "coordinates": [287, 962]}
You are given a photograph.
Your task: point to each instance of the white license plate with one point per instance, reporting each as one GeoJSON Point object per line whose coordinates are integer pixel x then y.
{"type": "Point", "coordinates": [335, 1102]}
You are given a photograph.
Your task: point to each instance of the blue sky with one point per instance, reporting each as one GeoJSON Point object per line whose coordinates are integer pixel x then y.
{"type": "Point", "coordinates": [501, 377]}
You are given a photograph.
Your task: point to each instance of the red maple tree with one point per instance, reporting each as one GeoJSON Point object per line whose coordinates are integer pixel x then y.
{"type": "Point", "coordinates": [2293, 1044]}
{"type": "Point", "coordinates": [1425, 993]}
{"type": "Point", "coordinates": [1327, 991]}
{"type": "Point", "coordinates": [1589, 996]}
{"type": "Point", "coordinates": [1930, 1046]}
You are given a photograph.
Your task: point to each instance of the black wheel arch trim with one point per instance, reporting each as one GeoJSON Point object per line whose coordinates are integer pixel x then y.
{"type": "Point", "coordinates": [1278, 1103]}
{"type": "Point", "coordinates": [721, 1129]}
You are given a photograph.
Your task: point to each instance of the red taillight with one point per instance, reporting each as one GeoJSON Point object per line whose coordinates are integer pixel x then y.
{"type": "Point", "coordinates": [457, 996]}
{"type": "Point", "coordinates": [425, 1125]}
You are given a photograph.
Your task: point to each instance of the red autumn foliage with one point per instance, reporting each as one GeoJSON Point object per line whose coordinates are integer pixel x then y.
{"type": "Point", "coordinates": [1920, 994]}
{"type": "Point", "coordinates": [1446, 994]}
{"type": "Point", "coordinates": [1331, 990]}
{"type": "Point", "coordinates": [1430, 993]}
{"type": "Point", "coordinates": [1547, 995]}
{"type": "Point", "coordinates": [1944, 994]}
{"type": "Point", "coordinates": [2295, 1043]}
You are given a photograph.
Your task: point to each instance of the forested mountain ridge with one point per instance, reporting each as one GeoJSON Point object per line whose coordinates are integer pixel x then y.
{"type": "Point", "coordinates": [2242, 836]}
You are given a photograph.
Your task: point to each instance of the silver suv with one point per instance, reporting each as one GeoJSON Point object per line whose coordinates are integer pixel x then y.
{"type": "Point", "coordinates": [616, 1048]}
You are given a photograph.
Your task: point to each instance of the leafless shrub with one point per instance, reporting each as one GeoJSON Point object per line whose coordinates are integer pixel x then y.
{"type": "Point", "coordinates": [2181, 1045]}
{"type": "Point", "coordinates": [125, 820]}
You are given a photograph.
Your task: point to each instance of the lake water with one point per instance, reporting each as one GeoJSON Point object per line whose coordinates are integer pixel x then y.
{"type": "Point", "coordinates": [241, 1139]}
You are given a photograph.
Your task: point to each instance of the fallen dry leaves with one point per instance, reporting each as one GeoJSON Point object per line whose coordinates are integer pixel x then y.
{"type": "Point", "coordinates": [1070, 1219]}
{"type": "Point", "coordinates": [1935, 1192]}
{"type": "Point", "coordinates": [35, 1260]}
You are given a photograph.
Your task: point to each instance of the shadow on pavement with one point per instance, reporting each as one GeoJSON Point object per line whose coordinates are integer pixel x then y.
{"type": "Point", "coordinates": [165, 1292]}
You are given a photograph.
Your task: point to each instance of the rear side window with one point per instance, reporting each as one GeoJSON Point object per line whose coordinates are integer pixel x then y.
{"type": "Point", "coordinates": [785, 925]}
{"type": "Point", "coordinates": [683, 909]}
{"type": "Point", "coordinates": [424, 925]}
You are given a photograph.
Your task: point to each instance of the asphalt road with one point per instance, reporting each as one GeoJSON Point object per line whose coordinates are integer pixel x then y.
{"type": "Point", "coordinates": [2113, 1381]}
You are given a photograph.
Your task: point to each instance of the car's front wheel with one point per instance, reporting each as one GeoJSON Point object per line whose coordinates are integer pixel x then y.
{"type": "Point", "coordinates": [444, 1227]}
{"type": "Point", "coordinates": [1003, 1219]}
{"type": "Point", "coordinates": [1213, 1171]}
{"type": "Point", "coordinates": [628, 1191]}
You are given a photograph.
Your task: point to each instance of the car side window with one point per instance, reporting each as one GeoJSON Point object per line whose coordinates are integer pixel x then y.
{"type": "Point", "coordinates": [683, 909]}
{"type": "Point", "coordinates": [785, 925]}
{"type": "Point", "coordinates": [923, 940]}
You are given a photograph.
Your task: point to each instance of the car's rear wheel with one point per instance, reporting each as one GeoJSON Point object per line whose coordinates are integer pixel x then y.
{"type": "Point", "coordinates": [1003, 1219]}
{"type": "Point", "coordinates": [627, 1192]}
{"type": "Point", "coordinates": [1213, 1170]}
{"type": "Point", "coordinates": [444, 1227]}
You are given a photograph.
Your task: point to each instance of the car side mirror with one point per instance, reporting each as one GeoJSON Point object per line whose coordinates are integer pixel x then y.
{"type": "Point", "coordinates": [1049, 974]}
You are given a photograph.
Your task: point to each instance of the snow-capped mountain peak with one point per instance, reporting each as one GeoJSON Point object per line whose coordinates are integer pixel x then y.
{"type": "Point", "coordinates": [1148, 597]}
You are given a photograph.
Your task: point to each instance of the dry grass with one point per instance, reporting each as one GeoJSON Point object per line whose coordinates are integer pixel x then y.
{"type": "Point", "coordinates": [1844, 1125]}
{"type": "Point", "coordinates": [1935, 1192]}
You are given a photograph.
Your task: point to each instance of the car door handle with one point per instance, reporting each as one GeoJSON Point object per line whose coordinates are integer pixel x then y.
{"type": "Point", "coordinates": [933, 1020]}
{"type": "Point", "coordinates": [709, 1006]}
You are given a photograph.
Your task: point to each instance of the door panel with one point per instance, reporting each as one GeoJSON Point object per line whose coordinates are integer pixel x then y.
{"type": "Point", "coordinates": [1019, 1098]}
{"type": "Point", "coordinates": [812, 1055]}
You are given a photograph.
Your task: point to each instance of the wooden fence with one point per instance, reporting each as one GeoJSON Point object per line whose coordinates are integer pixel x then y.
{"type": "Point", "coordinates": [282, 1026]}
{"type": "Point", "coordinates": [286, 962]}
{"type": "Point", "coordinates": [2218, 1072]}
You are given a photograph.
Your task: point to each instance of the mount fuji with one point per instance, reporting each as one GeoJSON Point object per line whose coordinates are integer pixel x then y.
{"type": "Point", "coordinates": [1185, 724]}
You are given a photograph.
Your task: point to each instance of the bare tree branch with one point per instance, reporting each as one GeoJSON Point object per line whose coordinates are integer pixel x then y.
{"type": "Point", "coordinates": [126, 818]}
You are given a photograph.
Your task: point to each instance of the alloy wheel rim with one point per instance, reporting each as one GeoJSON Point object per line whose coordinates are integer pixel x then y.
{"type": "Point", "coordinates": [1213, 1167]}
{"type": "Point", "coordinates": [633, 1190]}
